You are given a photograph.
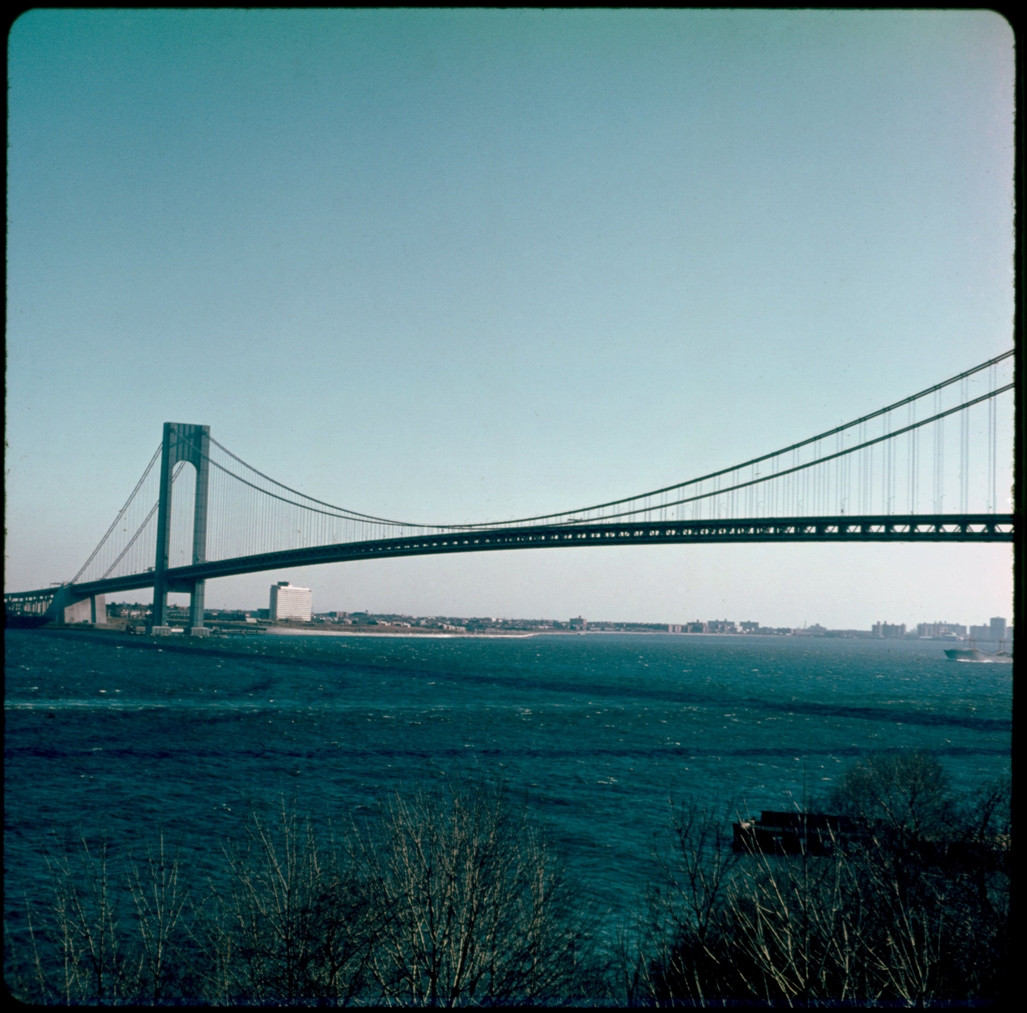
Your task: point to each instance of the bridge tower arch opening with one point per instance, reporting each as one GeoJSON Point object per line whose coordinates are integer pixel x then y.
{"type": "Point", "coordinates": [182, 442]}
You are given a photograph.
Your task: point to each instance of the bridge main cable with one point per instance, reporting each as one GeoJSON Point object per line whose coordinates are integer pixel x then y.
{"type": "Point", "coordinates": [142, 527]}
{"type": "Point", "coordinates": [117, 520]}
{"type": "Point", "coordinates": [344, 513]}
{"type": "Point", "coordinates": [808, 464]}
{"type": "Point", "coordinates": [784, 450]}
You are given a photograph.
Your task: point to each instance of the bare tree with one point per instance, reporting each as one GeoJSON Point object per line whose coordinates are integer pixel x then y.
{"type": "Point", "coordinates": [910, 905]}
{"type": "Point", "coordinates": [85, 929]}
{"type": "Point", "coordinates": [473, 906]}
{"type": "Point", "coordinates": [798, 928]}
{"type": "Point", "coordinates": [903, 794]}
{"type": "Point", "coordinates": [159, 899]}
{"type": "Point", "coordinates": [293, 924]}
{"type": "Point", "coordinates": [454, 897]}
{"type": "Point", "coordinates": [679, 953]}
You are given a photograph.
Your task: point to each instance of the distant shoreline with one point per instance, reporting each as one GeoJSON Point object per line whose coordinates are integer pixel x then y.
{"type": "Point", "coordinates": [513, 634]}
{"type": "Point", "coordinates": [293, 632]}
{"type": "Point", "coordinates": [437, 634]}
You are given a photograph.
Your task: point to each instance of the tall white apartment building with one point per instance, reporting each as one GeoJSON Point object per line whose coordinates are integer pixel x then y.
{"type": "Point", "coordinates": [290, 602]}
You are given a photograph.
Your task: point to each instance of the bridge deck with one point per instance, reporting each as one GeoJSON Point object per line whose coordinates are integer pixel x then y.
{"type": "Point", "coordinates": [892, 528]}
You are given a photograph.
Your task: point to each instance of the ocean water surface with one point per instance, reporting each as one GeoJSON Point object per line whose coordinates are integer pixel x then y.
{"type": "Point", "coordinates": [595, 733]}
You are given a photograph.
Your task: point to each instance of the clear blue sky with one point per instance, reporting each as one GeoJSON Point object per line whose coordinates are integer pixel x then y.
{"type": "Point", "coordinates": [461, 265]}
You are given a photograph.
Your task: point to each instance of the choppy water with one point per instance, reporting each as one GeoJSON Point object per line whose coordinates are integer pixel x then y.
{"type": "Point", "coordinates": [594, 732]}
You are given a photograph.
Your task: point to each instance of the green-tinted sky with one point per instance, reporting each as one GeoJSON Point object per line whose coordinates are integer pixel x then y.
{"type": "Point", "coordinates": [460, 265]}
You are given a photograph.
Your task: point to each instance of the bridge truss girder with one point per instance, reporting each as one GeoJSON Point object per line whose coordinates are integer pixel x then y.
{"type": "Point", "coordinates": [878, 528]}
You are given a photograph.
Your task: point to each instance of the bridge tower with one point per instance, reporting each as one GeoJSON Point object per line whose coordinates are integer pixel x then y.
{"type": "Point", "coordinates": [189, 443]}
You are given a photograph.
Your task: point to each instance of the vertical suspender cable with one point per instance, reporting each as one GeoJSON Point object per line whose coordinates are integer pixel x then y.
{"type": "Point", "coordinates": [992, 449]}
{"type": "Point", "coordinates": [964, 451]}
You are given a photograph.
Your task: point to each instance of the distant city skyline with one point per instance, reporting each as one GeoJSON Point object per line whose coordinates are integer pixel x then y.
{"type": "Point", "coordinates": [460, 265]}
{"type": "Point", "coordinates": [996, 628]}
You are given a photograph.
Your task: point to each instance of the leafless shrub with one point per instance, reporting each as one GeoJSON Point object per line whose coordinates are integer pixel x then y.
{"type": "Point", "coordinates": [84, 931]}
{"type": "Point", "coordinates": [798, 928]}
{"type": "Point", "coordinates": [24, 972]}
{"type": "Point", "coordinates": [473, 907]}
{"type": "Point", "coordinates": [914, 909]}
{"type": "Point", "coordinates": [453, 897]}
{"type": "Point", "coordinates": [904, 795]}
{"type": "Point", "coordinates": [679, 951]}
{"type": "Point", "coordinates": [448, 898]}
{"type": "Point", "coordinates": [293, 924]}
{"type": "Point", "coordinates": [160, 899]}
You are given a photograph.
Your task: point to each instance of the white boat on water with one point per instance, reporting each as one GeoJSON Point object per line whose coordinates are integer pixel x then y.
{"type": "Point", "coordinates": [973, 654]}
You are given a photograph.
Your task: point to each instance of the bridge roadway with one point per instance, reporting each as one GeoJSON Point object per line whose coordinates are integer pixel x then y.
{"type": "Point", "coordinates": [880, 528]}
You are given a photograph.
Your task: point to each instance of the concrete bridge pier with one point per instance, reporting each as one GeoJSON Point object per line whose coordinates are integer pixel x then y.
{"type": "Point", "coordinates": [196, 627]}
{"type": "Point", "coordinates": [89, 610]}
{"type": "Point", "coordinates": [68, 607]}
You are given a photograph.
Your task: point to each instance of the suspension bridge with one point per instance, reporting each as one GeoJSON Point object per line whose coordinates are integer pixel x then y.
{"type": "Point", "coordinates": [925, 468]}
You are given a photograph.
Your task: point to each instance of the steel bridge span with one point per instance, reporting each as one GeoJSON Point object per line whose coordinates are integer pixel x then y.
{"type": "Point", "coordinates": [229, 518]}
{"type": "Point", "coordinates": [916, 528]}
